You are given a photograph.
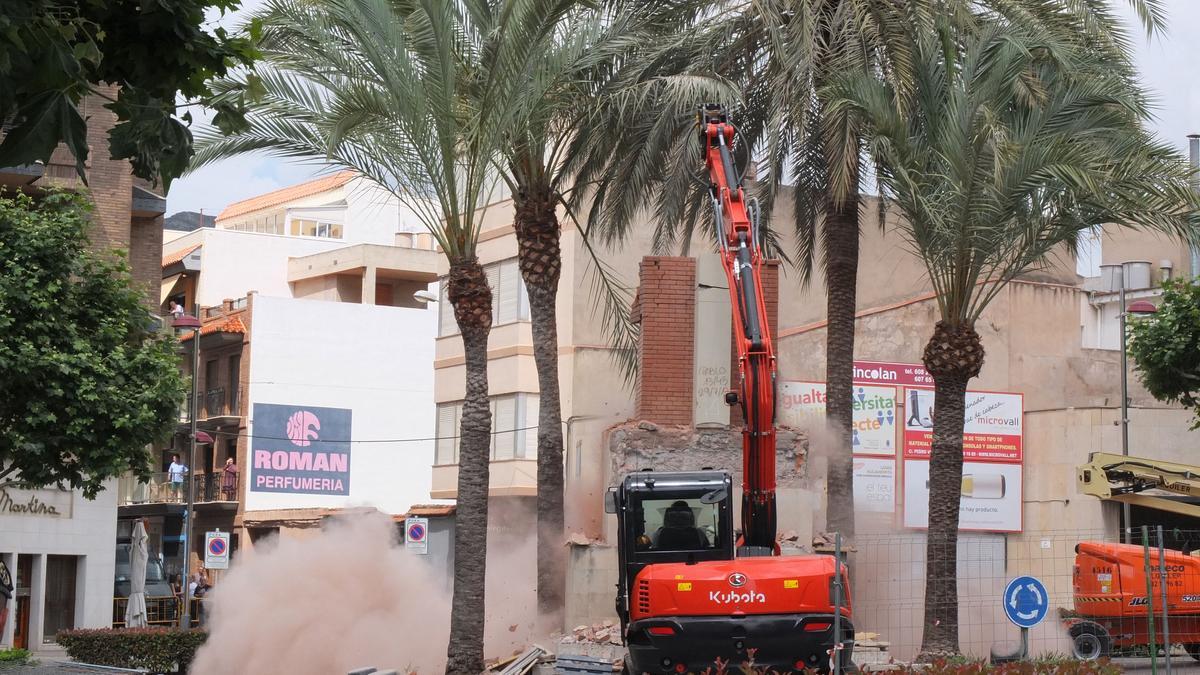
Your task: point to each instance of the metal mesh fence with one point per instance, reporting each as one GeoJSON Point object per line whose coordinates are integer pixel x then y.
{"type": "Point", "coordinates": [1096, 585]}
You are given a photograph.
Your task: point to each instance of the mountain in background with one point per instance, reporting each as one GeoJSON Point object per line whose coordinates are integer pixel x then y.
{"type": "Point", "coordinates": [186, 221]}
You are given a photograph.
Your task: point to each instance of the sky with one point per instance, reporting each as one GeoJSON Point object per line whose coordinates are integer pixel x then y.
{"type": "Point", "coordinates": [1169, 64]}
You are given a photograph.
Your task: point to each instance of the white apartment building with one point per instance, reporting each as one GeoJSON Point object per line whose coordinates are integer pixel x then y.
{"type": "Point", "coordinates": [315, 369]}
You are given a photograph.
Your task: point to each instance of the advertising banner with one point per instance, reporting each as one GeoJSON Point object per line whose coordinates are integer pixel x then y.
{"type": "Point", "coordinates": [886, 372]}
{"type": "Point", "coordinates": [991, 496]}
{"type": "Point", "coordinates": [300, 449]}
{"type": "Point", "coordinates": [802, 404]}
{"type": "Point", "coordinates": [875, 484]}
{"type": "Point", "coordinates": [992, 433]}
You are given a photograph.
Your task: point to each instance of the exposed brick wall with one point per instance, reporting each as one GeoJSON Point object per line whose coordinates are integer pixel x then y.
{"type": "Point", "coordinates": [145, 255]}
{"type": "Point", "coordinates": [770, 282]}
{"type": "Point", "coordinates": [110, 184]}
{"type": "Point", "coordinates": [667, 303]}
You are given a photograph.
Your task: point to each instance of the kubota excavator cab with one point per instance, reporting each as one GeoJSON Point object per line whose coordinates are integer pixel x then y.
{"type": "Point", "coordinates": [686, 598]}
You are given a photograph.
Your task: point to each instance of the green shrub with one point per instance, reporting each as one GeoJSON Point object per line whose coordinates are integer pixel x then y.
{"type": "Point", "coordinates": [19, 656]}
{"type": "Point", "coordinates": [1046, 665]}
{"type": "Point", "coordinates": [159, 650]}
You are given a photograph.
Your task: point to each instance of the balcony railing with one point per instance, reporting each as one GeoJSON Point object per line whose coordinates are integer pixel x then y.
{"type": "Point", "coordinates": [222, 402]}
{"type": "Point", "coordinates": [209, 486]}
{"type": "Point", "coordinates": [160, 612]}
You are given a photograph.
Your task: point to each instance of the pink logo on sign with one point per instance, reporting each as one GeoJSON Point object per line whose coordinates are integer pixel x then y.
{"type": "Point", "coordinates": [302, 428]}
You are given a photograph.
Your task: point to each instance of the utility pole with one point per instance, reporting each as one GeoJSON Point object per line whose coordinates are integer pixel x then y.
{"type": "Point", "coordinates": [193, 322]}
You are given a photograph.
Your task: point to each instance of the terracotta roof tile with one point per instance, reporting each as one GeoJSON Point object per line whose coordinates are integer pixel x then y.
{"type": "Point", "coordinates": [426, 511]}
{"type": "Point", "coordinates": [178, 256]}
{"type": "Point", "coordinates": [231, 325]}
{"type": "Point", "coordinates": [286, 194]}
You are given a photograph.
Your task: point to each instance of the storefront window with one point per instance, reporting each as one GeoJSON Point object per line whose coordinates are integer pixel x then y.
{"type": "Point", "coordinates": [60, 595]}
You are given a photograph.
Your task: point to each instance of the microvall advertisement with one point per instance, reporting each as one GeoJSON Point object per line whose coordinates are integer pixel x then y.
{"type": "Point", "coordinates": [992, 432]}
{"type": "Point", "coordinates": [801, 404]}
{"type": "Point", "coordinates": [300, 450]}
{"type": "Point", "coordinates": [991, 496]}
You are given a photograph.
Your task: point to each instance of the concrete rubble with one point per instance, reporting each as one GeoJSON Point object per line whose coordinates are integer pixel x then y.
{"type": "Point", "coordinates": [870, 652]}
{"type": "Point", "coordinates": [607, 633]}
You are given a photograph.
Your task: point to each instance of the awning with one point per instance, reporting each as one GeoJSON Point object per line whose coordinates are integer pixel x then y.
{"type": "Point", "coordinates": [168, 287]}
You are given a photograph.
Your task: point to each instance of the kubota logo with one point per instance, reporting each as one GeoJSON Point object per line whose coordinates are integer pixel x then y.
{"type": "Point", "coordinates": [737, 579]}
{"type": "Point", "coordinates": [302, 428]}
{"type": "Point", "coordinates": [732, 597]}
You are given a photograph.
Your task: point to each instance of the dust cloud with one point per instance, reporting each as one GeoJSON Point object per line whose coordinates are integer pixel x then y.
{"type": "Point", "coordinates": [343, 599]}
{"type": "Point", "coordinates": [349, 597]}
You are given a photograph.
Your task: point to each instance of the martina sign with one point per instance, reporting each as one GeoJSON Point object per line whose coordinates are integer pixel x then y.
{"type": "Point", "coordinates": [300, 450]}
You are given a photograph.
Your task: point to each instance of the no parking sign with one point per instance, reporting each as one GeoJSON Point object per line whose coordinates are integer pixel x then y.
{"type": "Point", "coordinates": [416, 535]}
{"type": "Point", "coordinates": [216, 550]}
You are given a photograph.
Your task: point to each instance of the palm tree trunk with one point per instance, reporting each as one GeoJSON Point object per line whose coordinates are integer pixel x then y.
{"type": "Point", "coordinates": [953, 356]}
{"type": "Point", "coordinates": [540, 260]}
{"type": "Point", "coordinates": [841, 286]}
{"type": "Point", "coordinates": [471, 297]}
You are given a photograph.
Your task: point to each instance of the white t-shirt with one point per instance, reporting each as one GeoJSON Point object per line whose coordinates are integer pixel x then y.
{"type": "Point", "coordinates": [175, 472]}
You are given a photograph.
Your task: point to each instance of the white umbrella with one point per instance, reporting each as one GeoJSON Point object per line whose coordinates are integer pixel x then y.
{"type": "Point", "coordinates": [135, 611]}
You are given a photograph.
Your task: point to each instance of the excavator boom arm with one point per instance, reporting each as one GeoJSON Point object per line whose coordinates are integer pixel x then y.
{"type": "Point", "coordinates": [741, 255]}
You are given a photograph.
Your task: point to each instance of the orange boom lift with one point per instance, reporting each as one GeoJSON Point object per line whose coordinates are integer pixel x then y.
{"type": "Point", "coordinates": [1109, 582]}
{"type": "Point", "coordinates": [689, 591]}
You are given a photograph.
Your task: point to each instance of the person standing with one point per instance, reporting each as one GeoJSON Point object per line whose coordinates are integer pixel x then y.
{"type": "Point", "coordinates": [175, 474]}
{"type": "Point", "coordinates": [229, 480]}
{"type": "Point", "coordinates": [176, 310]}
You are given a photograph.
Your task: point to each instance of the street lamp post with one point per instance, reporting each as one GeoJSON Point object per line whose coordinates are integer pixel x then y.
{"type": "Point", "coordinates": [193, 323]}
{"type": "Point", "coordinates": [1138, 308]}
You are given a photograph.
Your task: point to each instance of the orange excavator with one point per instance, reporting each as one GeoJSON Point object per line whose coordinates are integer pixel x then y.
{"type": "Point", "coordinates": [691, 592]}
{"type": "Point", "coordinates": [1112, 606]}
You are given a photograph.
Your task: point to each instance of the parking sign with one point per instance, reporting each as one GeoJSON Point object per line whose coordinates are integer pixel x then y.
{"type": "Point", "coordinates": [216, 550]}
{"type": "Point", "coordinates": [416, 535]}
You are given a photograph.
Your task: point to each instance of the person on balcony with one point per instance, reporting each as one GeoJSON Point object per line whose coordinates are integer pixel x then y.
{"type": "Point", "coordinates": [229, 480]}
{"type": "Point", "coordinates": [175, 474]}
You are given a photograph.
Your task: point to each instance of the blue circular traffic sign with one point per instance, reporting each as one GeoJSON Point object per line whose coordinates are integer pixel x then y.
{"type": "Point", "coordinates": [1026, 601]}
{"type": "Point", "coordinates": [416, 532]}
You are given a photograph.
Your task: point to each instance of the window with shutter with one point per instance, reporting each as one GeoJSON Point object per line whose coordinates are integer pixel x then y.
{"type": "Point", "coordinates": [509, 300]}
{"type": "Point", "coordinates": [528, 445]}
{"type": "Point", "coordinates": [448, 415]}
{"type": "Point", "coordinates": [493, 279]}
{"type": "Point", "coordinates": [446, 323]}
{"type": "Point", "coordinates": [504, 422]}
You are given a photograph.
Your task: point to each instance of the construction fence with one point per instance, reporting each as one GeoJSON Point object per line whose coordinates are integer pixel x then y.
{"type": "Point", "coordinates": [1096, 584]}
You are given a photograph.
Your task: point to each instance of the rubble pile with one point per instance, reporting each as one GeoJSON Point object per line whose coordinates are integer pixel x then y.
{"type": "Point", "coordinates": [606, 633]}
{"type": "Point", "coordinates": [869, 650]}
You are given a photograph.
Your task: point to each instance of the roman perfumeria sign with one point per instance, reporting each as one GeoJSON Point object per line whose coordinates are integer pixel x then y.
{"type": "Point", "coordinates": [300, 449]}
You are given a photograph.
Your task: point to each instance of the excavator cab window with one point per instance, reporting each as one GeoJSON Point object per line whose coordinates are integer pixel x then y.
{"type": "Point", "coordinates": [680, 525]}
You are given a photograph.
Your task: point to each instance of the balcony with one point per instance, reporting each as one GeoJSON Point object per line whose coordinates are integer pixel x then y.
{"type": "Point", "coordinates": [220, 406]}
{"type": "Point", "coordinates": [209, 486]}
{"type": "Point", "coordinates": [223, 406]}
{"type": "Point", "coordinates": [507, 478]}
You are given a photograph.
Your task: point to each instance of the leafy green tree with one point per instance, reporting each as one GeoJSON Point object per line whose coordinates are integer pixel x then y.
{"type": "Point", "coordinates": [53, 53]}
{"type": "Point", "coordinates": [1006, 149]}
{"type": "Point", "coordinates": [86, 380]}
{"type": "Point", "coordinates": [1166, 348]}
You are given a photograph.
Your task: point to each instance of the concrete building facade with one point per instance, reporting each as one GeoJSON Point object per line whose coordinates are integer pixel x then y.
{"type": "Point", "coordinates": [1051, 338]}
{"type": "Point", "coordinates": [314, 369]}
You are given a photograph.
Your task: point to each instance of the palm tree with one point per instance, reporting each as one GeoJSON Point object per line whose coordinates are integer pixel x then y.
{"type": "Point", "coordinates": [553, 101]}
{"type": "Point", "coordinates": [400, 93]}
{"type": "Point", "coordinates": [779, 53]}
{"type": "Point", "coordinates": [1006, 149]}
